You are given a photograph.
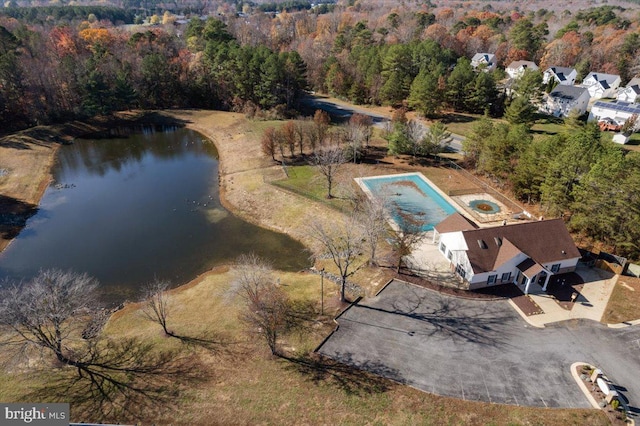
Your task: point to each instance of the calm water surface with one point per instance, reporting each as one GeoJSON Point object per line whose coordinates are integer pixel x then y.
{"type": "Point", "coordinates": [128, 210]}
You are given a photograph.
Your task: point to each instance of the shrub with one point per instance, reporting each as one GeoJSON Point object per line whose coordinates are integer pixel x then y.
{"type": "Point", "coordinates": [615, 404]}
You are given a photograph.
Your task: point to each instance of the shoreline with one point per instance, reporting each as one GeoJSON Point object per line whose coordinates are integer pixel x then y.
{"type": "Point", "coordinates": [244, 172]}
{"type": "Point", "coordinates": [28, 157]}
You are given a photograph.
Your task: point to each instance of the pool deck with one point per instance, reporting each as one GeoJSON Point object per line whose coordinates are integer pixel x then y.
{"type": "Point", "coordinates": [463, 201]}
{"type": "Point", "coordinates": [453, 202]}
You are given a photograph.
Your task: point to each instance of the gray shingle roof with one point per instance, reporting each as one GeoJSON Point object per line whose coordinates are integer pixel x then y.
{"type": "Point", "coordinates": [567, 92]}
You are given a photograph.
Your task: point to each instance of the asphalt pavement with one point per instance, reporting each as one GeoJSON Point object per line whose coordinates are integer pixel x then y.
{"type": "Point", "coordinates": [480, 350]}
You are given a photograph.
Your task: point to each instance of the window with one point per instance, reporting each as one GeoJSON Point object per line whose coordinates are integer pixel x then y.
{"type": "Point", "coordinates": [555, 268]}
{"type": "Point", "coordinates": [443, 248]}
{"type": "Point", "coordinates": [492, 279]}
{"type": "Point", "coordinates": [450, 255]}
{"type": "Point", "coordinates": [460, 271]}
{"type": "Point", "coordinates": [506, 276]}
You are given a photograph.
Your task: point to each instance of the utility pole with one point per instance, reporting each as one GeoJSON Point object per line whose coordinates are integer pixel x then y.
{"type": "Point", "coordinates": [322, 291]}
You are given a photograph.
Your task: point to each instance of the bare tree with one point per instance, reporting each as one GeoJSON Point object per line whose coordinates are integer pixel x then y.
{"type": "Point", "coordinates": [47, 311]}
{"type": "Point", "coordinates": [268, 308]}
{"type": "Point", "coordinates": [156, 304]}
{"type": "Point", "coordinates": [329, 160]}
{"type": "Point", "coordinates": [415, 134]}
{"type": "Point", "coordinates": [373, 219]}
{"type": "Point", "coordinates": [50, 312]}
{"type": "Point", "coordinates": [405, 237]}
{"type": "Point", "coordinates": [365, 123]}
{"type": "Point", "coordinates": [354, 136]}
{"type": "Point", "coordinates": [342, 242]}
{"type": "Point", "coordinates": [300, 132]}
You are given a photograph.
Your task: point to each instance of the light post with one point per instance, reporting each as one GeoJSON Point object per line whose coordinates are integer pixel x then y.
{"type": "Point", "coordinates": [322, 291]}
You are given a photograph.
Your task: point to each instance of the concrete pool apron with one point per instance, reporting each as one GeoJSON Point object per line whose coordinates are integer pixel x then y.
{"type": "Point", "coordinates": [478, 350]}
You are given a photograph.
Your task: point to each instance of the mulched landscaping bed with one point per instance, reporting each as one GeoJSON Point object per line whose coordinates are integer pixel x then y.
{"type": "Point", "coordinates": [616, 417]}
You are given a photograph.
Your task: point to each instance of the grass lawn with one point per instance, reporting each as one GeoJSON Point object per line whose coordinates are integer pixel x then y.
{"type": "Point", "coordinates": [243, 384]}
{"type": "Point", "coordinates": [624, 301]}
{"type": "Point", "coordinates": [547, 126]}
{"type": "Point", "coordinates": [308, 182]}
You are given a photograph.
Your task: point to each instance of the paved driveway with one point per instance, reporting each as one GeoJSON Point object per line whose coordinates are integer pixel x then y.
{"type": "Point", "coordinates": [479, 350]}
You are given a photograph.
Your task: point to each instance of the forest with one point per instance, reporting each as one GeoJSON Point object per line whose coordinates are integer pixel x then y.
{"type": "Point", "coordinates": [63, 63]}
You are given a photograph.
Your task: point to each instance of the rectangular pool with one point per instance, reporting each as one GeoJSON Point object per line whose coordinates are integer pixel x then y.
{"type": "Point", "coordinates": [408, 196]}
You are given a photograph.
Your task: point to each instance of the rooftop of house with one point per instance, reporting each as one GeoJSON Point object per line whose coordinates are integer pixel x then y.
{"type": "Point", "coordinates": [543, 241]}
{"type": "Point", "coordinates": [627, 107]}
{"type": "Point", "coordinates": [525, 64]}
{"type": "Point", "coordinates": [634, 84]}
{"type": "Point", "coordinates": [561, 72]}
{"type": "Point", "coordinates": [455, 222]}
{"type": "Point", "coordinates": [569, 93]}
{"type": "Point", "coordinates": [605, 80]}
{"type": "Point", "coordinates": [487, 57]}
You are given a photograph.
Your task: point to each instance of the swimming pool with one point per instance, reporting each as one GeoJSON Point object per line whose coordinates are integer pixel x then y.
{"type": "Point", "coordinates": [409, 197]}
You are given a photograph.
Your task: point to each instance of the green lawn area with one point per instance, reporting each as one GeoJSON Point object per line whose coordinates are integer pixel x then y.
{"type": "Point", "coordinates": [547, 126]}
{"type": "Point", "coordinates": [462, 124]}
{"type": "Point", "coordinates": [308, 182]}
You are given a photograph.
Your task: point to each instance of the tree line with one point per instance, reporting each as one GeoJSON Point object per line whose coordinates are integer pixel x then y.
{"type": "Point", "coordinates": [65, 73]}
{"type": "Point", "coordinates": [60, 14]}
{"type": "Point", "coordinates": [577, 174]}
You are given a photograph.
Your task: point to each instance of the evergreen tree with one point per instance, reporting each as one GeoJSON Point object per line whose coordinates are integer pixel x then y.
{"type": "Point", "coordinates": [520, 111]}
{"type": "Point", "coordinates": [459, 84]}
{"type": "Point", "coordinates": [483, 94]}
{"type": "Point", "coordinates": [425, 95]}
{"type": "Point", "coordinates": [473, 144]}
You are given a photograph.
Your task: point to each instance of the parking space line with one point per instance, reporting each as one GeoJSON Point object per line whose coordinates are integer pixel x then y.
{"type": "Point", "coordinates": [484, 380]}
{"type": "Point", "coordinates": [506, 378]}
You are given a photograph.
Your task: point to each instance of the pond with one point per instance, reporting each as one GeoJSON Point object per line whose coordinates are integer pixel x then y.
{"type": "Point", "coordinates": [127, 210]}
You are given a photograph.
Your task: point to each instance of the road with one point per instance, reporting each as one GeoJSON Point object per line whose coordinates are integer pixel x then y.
{"type": "Point", "coordinates": [480, 350]}
{"type": "Point", "coordinates": [341, 110]}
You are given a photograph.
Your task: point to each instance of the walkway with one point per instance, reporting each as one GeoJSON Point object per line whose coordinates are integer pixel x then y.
{"type": "Point", "coordinates": [590, 304]}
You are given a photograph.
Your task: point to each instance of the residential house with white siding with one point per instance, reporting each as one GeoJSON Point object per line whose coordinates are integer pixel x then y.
{"type": "Point", "coordinates": [525, 254]}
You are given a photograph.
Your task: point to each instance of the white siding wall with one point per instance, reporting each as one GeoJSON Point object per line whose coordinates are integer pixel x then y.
{"type": "Point", "coordinates": [509, 266]}
{"type": "Point", "coordinates": [567, 265]}
{"type": "Point", "coordinates": [598, 113]}
{"type": "Point", "coordinates": [627, 95]}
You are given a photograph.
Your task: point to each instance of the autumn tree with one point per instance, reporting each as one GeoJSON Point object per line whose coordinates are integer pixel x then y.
{"type": "Point", "coordinates": [269, 142]}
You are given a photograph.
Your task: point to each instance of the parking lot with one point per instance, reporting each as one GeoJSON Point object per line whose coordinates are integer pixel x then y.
{"type": "Point", "coordinates": [479, 350]}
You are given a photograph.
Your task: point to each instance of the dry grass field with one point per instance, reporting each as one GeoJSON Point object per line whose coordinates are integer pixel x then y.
{"type": "Point", "coordinates": [241, 383]}
{"type": "Point", "coordinates": [624, 302]}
